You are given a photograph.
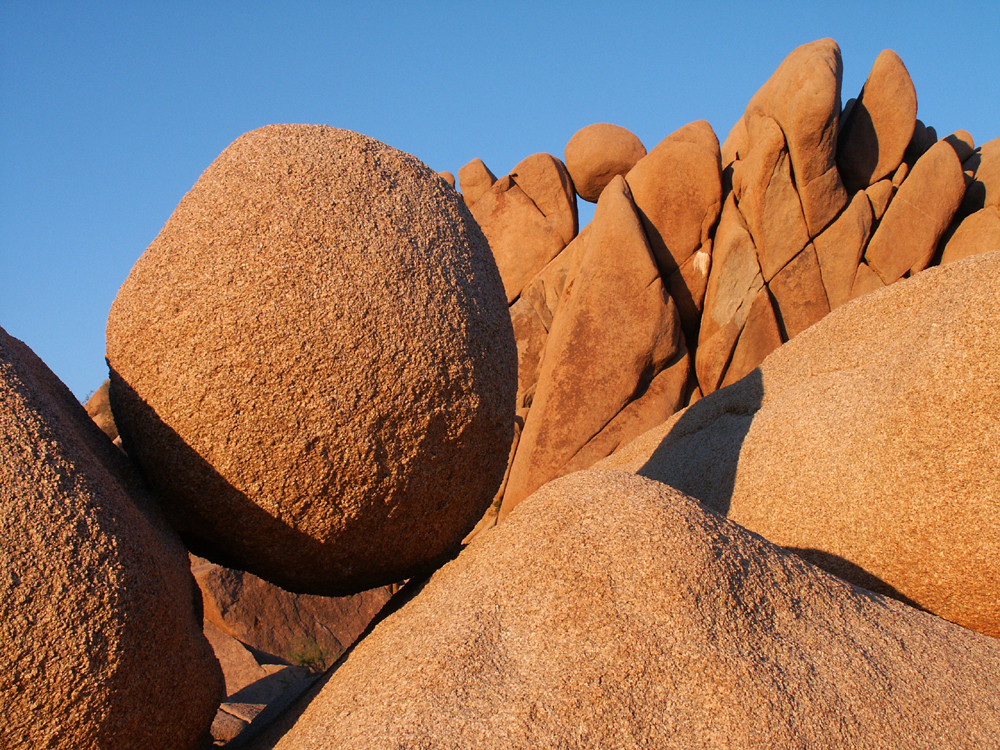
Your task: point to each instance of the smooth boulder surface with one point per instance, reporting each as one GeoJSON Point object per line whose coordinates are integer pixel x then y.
{"type": "Point", "coordinates": [610, 611]}
{"type": "Point", "coordinates": [597, 154]}
{"type": "Point", "coordinates": [313, 354]}
{"type": "Point", "coordinates": [869, 444]}
{"type": "Point", "coordinates": [102, 642]}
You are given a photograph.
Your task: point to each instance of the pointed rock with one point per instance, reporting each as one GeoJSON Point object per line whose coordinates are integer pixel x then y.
{"type": "Point", "coordinates": [615, 333]}
{"type": "Point", "coordinates": [918, 216]}
{"type": "Point", "coordinates": [761, 336]}
{"type": "Point", "coordinates": [733, 284]}
{"type": "Point", "coordinates": [874, 136]}
{"type": "Point", "coordinates": [521, 238]}
{"type": "Point", "coordinates": [474, 179]}
{"type": "Point", "coordinates": [840, 246]}
{"type": "Point", "coordinates": [799, 294]}
{"type": "Point", "coordinates": [545, 180]}
{"type": "Point", "coordinates": [865, 281]}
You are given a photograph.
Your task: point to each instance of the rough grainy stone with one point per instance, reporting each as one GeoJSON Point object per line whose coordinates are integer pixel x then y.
{"type": "Point", "coordinates": [299, 629]}
{"type": "Point", "coordinates": [799, 294]}
{"type": "Point", "coordinates": [840, 246]}
{"type": "Point", "coordinates": [733, 285]}
{"type": "Point", "coordinates": [803, 97]}
{"type": "Point", "coordinates": [599, 152]}
{"type": "Point", "coordinates": [918, 216]}
{"type": "Point", "coordinates": [99, 409]}
{"type": "Point", "coordinates": [614, 360]}
{"type": "Point", "coordinates": [313, 354]}
{"type": "Point", "coordinates": [544, 179]}
{"type": "Point", "coordinates": [102, 645]}
{"type": "Point", "coordinates": [522, 239]}
{"type": "Point", "coordinates": [874, 135]}
{"type": "Point", "coordinates": [869, 443]}
{"type": "Point", "coordinates": [610, 611]}
{"type": "Point", "coordinates": [474, 179]}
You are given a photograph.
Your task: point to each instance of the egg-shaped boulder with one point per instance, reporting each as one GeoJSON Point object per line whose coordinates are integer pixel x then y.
{"type": "Point", "coordinates": [597, 154]}
{"type": "Point", "coordinates": [100, 626]}
{"type": "Point", "coordinates": [313, 362]}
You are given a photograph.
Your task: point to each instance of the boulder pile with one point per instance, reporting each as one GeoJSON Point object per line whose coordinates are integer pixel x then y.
{"type": "Point", "coordinates": [741, 431]}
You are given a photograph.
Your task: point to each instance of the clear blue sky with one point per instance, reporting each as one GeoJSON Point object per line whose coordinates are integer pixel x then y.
{"type": "Point", "coordinates": [110, 111]}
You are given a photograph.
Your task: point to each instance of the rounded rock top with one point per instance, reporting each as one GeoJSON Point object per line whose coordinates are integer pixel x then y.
{"type": "Point", "coordinates": [313, 362]}
{"type": "Point", "coordinates": [598, 153]}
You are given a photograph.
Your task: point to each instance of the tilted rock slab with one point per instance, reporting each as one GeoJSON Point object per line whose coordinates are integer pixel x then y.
{"type": "Point", "coordinates": [611, 611]}
{"type": "Point", "coordinates": [314, 364]}
{"type": "Point", "coordinates": [615, 361]}
{"type": "Point", "coordinates": [101, 638]}
{"type": "Point", "coordinates": [868, 443]}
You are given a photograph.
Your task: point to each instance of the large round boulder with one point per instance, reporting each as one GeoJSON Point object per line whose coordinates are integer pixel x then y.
{"type": "Point", "coordinates": [610, 611]}
{"type": "Point", "coordinates": [102, 643]}
{"type": "Point", "coordinates": [597, 154]}
{"type": "Point", "coordinates": [313, 362]}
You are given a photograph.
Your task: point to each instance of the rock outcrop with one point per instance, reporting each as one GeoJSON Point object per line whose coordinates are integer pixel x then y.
{"type": "Point", "coordinates": [868, 444]}
{"type": "Point", "coordinates": [102, 643]}
{"type": "Point", "coordinates": [611, 611]}
{"type": "Point", "coordinates": [303, 365]}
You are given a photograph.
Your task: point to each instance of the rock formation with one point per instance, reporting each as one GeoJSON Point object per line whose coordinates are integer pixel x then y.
{"type": "Point", "coordinates": [303, 365]}
{"type": "Point", "coordinates": [102, 644]}
{"type": "Point", "coordinates": [598, 153]}
{"type": "Point", "coordinates": [868, 444]}
{"type": "Point", "coordinates": [611, 611]}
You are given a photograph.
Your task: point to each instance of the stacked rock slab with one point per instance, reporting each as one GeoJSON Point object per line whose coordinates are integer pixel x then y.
{"type": "Point", "coordinates": [102, 643]}
{"type": "Point", "coordinates": [313, 354]}
{"type": "Point", "coordinates": [976, 228]}
{"type": "Point", "coordinates": [611, 611]}
{"type": "Point", "coordinates": [868, 444]}
{"type": "Point", "coordinates": [614, 359]}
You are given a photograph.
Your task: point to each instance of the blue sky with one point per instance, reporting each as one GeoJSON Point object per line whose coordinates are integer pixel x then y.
{"type": "Point", "coordinates": [110, 111]}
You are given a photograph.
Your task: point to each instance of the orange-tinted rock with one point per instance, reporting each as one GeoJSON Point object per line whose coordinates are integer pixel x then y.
{"type": "Point", "coordinates": [840, 246]}
{"type": "Point", "coordinates": [611, 611]}
{"type": "Point", "coordinates": [677, 189]}
{"type": "Point", "coordinates": [615, 333]}
{"type": "Point", "coordinates": [803, 97]}
{"type": "Point", "coordinates": [799, 294]}
{"type": "Point", "coordinates": [768, 198]}
{"type": "Point", "coordinates": [923, 138]}
{"type": "Point", "coordinates": [962, 142]}
{"type": "Point", "coordinates": [544, 179]}
{"type": "Point", "coordinates": [522, 239]}
{"type": "Point", "coordinates": [447, 177]}
{"type": "Point", "coordinates": [309, 359]}
{"type": "Point", "coordinates": [760, 337]}
{"type": "Point", "coordinates": [880, 125]}
{"type": "Point", "coordinates": [865, 281]}
{"type": "Point", "coordinates": [984, 189]}
{"type": "Point", "coordinates": [599, 152]}
{"type": "Point", "coordinates": [879, 195]}
{"type": "Point", "coordinates": [868, 444]}
{"type": "Point", "coordinates": [918, 216]}
{"type": "Point", "coordinates": [299, 629]}
{"type": "Point", "coordinates": [733, 284]}
{"type": "Point", "coordinates": [978, 233]}
{"type": "Point", "coordinates": [687, 286]}
{"type": "Point", "coordinates": [474, 179]}
{"type": "Point", "coordinates": [102, 642]}
{"type": "Point", "coordinates": [99, 409]}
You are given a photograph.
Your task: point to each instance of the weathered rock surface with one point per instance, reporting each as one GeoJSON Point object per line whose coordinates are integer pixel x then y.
{"type": "Point", "coordinates": [314, 353]}
{"type": "Point", "coordinates": [874, 135]}
{"type": "Point", "coordinates": [447, 177]}
{"type": "Point", "coordinates": [99, 409]}
{"type": "Point", "coordinates": [869, 443]}
{"type": "Point", "coordinates": [611, 611]}
{"type": "Point", "coordinates": [545, 180]}
{"type": "Point", "coordinates": [840, 247]}
{"type": "Point", "coordinates": [918, 215]}
{"type": "Point", "coordinates": [598, 153]}
{"type": "Point", "coordinates": [522, 239]}
{"type": "Point", "coordinates": [614, 361]}
{"type": "Point", "coordinates": [102, 646]}
{"type": "Point", "coordinates": [474, 179]}
{"type": "Point", "coordinates": [978, 233]}
{"type": "Point", "coordinates": [299, 629]}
